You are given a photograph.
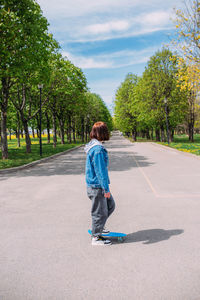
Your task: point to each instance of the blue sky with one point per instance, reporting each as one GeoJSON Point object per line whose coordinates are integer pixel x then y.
{"type": "Point", "coordinates": [109, 38]}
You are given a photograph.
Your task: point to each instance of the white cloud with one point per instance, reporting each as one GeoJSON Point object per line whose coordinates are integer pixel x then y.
{"type": "Point", "coordinates": [89, 31]}
{"type": "Point", "coordinates": [87, 62]}
{"type": "Point", "coordinates": [79, 8]}
{"type": "Point", "coordinates": [91, 20]}
{"type": "Point", "coordinates": [155, 18]}
{"type": "Point", "coordinates": [120, 25]}
{"type": "Point", "coordinates": [113, 60]}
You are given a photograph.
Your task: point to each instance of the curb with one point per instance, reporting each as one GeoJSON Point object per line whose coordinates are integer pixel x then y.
{"type": "Point", "coordinates": [36, 162]}
{"type": "Point", "coordinates": [176, 150]}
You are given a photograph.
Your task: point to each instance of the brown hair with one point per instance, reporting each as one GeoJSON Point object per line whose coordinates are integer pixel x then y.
{"type": "Point", "coordinates": [100, 132]}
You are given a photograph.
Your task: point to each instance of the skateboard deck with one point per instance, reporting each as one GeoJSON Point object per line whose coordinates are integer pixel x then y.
{"type": "Point", "coordinates": [118, 235]}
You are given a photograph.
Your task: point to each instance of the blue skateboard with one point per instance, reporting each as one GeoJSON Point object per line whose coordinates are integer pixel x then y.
{"type": "Point", "coordinates": [118, 235]}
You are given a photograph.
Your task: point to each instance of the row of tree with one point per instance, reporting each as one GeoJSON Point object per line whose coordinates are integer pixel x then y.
{"type": "Point", "coordinates": [167, 94]}
{"type": "Point", "coordinates": [30, 56]}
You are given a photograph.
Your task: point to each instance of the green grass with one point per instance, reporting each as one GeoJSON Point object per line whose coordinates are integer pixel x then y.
{"type": "Point", "coordinates": [181, 143]}
{"type": "Point", "coordinates": [18, 156]}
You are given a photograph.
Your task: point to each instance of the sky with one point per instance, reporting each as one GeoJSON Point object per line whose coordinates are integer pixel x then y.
{"type": "Point", "coordinates": [108, 39]}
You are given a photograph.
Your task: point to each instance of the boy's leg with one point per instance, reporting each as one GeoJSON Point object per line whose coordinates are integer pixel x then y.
{"type": "Point", "coordinates": [99, 210]}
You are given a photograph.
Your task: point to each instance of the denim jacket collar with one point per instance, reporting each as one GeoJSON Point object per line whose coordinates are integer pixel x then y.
{"type": "Point", "coordinates": [91, 144]}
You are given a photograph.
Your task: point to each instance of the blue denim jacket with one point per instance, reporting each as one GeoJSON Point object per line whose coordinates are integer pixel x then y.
{"type": "Point", "coordinates": [97, 166]}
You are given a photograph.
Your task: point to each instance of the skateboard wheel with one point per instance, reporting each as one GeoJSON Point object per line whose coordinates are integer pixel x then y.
{"type": "Point", "coordinates": [120, 239]}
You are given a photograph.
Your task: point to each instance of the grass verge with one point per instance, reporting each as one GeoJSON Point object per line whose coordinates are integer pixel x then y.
{"type": "Point", "coordinates": [19, 157]}
{"type": "Point", "coordinates": [180, 142]}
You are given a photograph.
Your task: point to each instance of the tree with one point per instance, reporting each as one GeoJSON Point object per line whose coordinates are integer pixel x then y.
{"type": "Point", "coordinates": [188, 30]}
{"type": "Point", "coordinates": [139, 104]}
{"type": "Point", "coordinates": [96, 110]}
{"type": "Point", "coordinates": [25, 46]}
{"type": "Point", "coordinates": [187, 42]}
{"type": "Point", "coordinates": [67, 86]}
{"type": "Point", "coordinates": [160, 83]}
{"type": "Point", "coordinates": [189, 82]}
{"type": "Point", "coordinates": [125, 116]}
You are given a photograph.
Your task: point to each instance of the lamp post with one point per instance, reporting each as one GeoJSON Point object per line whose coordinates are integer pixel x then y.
{"type": "Point", "coordinates": [40, 87]}
{"type": "Point", "coordinates": [167, 124]}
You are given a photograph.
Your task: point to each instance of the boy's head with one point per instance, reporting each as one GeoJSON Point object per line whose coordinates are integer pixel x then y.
{"type": "Point", "coordinates": [100, 131]}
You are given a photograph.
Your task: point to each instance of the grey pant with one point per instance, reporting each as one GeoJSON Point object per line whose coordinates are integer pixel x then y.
{"type": "Point", "coordinates": [102, 208]}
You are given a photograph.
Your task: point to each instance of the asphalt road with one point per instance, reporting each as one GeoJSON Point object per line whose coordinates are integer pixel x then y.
{"type": "Point", "coordinates": [46, 252]}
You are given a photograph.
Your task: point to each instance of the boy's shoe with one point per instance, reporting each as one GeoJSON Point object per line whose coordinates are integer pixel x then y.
{"type": "Point", "coordinates": [105, 231]}
{"type": "Point", "coordinates": [100, 241]}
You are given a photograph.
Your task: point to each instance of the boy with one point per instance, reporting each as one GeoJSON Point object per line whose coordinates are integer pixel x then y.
{"type": "Point", "coordinates": [97, 181]}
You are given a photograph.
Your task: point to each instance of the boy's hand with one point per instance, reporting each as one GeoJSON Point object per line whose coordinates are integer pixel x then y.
{"type": "Point", "coordinates": [107, 195]}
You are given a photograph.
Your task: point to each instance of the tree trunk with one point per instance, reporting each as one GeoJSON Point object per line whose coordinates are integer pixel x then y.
{"type": "Point", "coordinates": [69, 138]}
{"type": "Point", "coordinates": [191, 132]}
{"type": "Point", "coordinates": [38, 127]}
{"type": "Point", "coordinates": [157, 135]}
{"type": "Point", "coordinates": [82, 130]}
{"type": "Point", "coordinates": [163, 138]}
{"type": "Point", "coordinates": [191, 118]}
{"type": "Point", "coordinates": [4, 142]}
{"type": "Point", "coordinates": [27, 136]}
{"type": "Point", "coordinates": [48, 128]}
{"type": "Point", "coordinates": [147, 134]}
{"type": "Point", "coordinates": [134, 135]}
{"type": "Point", "coordinates": [172, 135]}
{"type": "Point", "coordinates": [152, 134]}
{"type": "Point", "coordinates": [18, 137]}
{"type": "Point", "coordinates": [54, 129]}
{"type": "Point", "coordinates": [143, 134]}
{"type": "Point", "coordinates": [74, 130]}
{"type": "Point", "coordinates": [48, 136]}
{"type": "Point", "coordinates": [86, 132]}
{"type": "Point", "coordinates": [4, 106]}
{"type": "Point", "coordinates": [33, 132]}
{"type": "Point", "coordinates": [86, 135]}
{"type": "Point", "coordinates": [62, 132]}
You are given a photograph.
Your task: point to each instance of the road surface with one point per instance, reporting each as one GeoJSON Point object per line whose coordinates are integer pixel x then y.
{"type": "Point", "coordinates": [46, 252]}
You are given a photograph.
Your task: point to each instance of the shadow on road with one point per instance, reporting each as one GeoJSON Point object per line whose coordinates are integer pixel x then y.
{"type": "Point", "coordinates": [150, 236]}
{"type": "Point", "coordinates": [74, 164]}
{"type": "Point", "coordinates": [123, 161]}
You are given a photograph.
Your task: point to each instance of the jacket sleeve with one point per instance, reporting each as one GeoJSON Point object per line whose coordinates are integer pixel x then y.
{"type": "Point", "coordinates": [101, 170]}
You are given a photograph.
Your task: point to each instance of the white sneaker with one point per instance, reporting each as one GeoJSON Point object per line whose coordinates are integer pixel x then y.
{"type": "Point", "coordinates": [105, 231]}
{"type": "Point", "coordinates": [100, 241]}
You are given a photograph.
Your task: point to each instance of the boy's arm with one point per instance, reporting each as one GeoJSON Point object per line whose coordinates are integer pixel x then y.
{"type": "Point", "coordinates": [101, 171]}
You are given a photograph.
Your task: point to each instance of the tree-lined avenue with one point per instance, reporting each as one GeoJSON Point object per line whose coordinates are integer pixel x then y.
{"type": "Point", "coordinates": [45, 250]}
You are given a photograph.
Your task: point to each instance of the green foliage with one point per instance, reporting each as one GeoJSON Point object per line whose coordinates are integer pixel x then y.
{"type": "Point", "coordinates": [25, 42]}
{"type": "Point", "coordinates": [30, 56]}
{"type": "Point", "coordinates": [160, 79]}
{"type": "Point", "coordinates": [140, 105]}
{"type": "Point", "coordinates": [97, 110]}
{"type": "Point", "coordinates": [125, 115]}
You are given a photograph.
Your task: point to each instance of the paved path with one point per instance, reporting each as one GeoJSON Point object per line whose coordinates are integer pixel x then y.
{"type": "Point", "coordinates": [45, 250]}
